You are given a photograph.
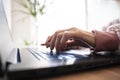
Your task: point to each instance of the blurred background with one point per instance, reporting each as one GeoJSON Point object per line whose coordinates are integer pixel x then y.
{"type": "Point", "coordinates": [31, 21]}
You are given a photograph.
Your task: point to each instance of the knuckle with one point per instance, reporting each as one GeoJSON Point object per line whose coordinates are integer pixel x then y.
{"type": "Point", "coordinates": [59, 35]}
{"type": "Point", "coordinates": [57, 31]}
{"type": "Point", "coordinates": [73, 28]}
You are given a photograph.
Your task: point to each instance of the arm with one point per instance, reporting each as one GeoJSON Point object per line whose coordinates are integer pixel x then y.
{"type": "Point", "coordinates": [100, 41]}
{"type": "Point", "coordinates": [106, 41]}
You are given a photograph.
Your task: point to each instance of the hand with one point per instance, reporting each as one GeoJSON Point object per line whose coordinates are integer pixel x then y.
{"type": "Point", "coordinates": [64, 39]}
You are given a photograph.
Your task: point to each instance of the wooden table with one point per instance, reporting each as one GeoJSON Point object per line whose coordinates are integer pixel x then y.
{"type": "Point", "coordinates": [109, 73]}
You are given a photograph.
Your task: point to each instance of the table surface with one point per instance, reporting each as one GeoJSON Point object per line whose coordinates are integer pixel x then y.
{"type": "Point", "coordinates": [109, 73]}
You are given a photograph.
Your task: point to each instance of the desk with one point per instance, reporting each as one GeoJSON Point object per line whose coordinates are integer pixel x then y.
{"type": "Point", "coordinates": [110, 73]}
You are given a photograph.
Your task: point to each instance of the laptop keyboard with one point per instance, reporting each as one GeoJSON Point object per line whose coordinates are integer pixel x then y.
{"type": "Point", "coordinates": [53, 56]}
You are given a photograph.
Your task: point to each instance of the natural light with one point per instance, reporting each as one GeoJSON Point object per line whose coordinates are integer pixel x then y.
{"type": "Point", "coordinates": [62, 14]}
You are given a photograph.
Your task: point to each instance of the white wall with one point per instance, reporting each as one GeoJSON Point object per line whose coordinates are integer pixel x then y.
{"type": "Point", "coordinates": [62, 14]}
{"type": "Point", "coordinates": [7, 7]}
{"type": "Point", "coordinates": [100, 12]}
{"type": "Point", "coordinates": [20, 24]}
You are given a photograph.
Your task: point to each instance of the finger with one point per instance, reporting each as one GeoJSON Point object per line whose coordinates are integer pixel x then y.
{"type": "Point", "coordinates": [52, 42]}
{"type": "Point", "coordinates": [53, 39]}
{"type": "Point", "coordinates": [57, 44]}
{"type": "Point", "coordinates": [43, 44]}
{"type": "Point", "coordinates": [64, 40]}
{"type": "Point", "coordinates": [70, 42]}
{"type": "Point", "coordinates": [48, 41]}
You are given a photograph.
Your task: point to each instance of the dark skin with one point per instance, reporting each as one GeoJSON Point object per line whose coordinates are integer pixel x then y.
{"type": "Point", "coordinates": [69, 38]}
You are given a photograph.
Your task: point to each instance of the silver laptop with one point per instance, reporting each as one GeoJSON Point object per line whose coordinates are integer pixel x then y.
{"type": "Point", "coordinates": [6, 45]}
{"type": "Point", "coordinates": [30, 63]}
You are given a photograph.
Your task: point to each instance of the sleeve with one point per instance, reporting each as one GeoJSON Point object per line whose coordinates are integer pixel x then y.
{"type": "Point", "coordinates": [105, 41]}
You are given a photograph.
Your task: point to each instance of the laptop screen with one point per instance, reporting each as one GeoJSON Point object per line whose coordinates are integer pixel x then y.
{"type": "Point", "coordinates": [6, 44]}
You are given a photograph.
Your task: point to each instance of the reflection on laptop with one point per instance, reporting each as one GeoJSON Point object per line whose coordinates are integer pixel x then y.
{"type": "Point", "coordinates": [68, 56]}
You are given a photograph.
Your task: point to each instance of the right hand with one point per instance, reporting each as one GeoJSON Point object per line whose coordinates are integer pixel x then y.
{"type": "Point", "coordinates": [64, 39]}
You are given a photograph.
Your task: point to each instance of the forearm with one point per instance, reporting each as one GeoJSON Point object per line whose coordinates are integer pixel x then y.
{"type": "Point", "coordinates": [100, 41]}
{"type": "Point", "coordinates": [105, 41]}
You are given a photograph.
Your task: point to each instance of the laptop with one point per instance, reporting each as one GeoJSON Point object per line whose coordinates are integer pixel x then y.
{"type": "Point", "coordinates": [32, 63]}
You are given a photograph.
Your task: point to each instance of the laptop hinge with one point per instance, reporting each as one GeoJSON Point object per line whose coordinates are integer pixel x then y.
{"type": "Point", "coordinates": [1, 71]}
{"type": "Point", "coordinates": [13, 58]}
